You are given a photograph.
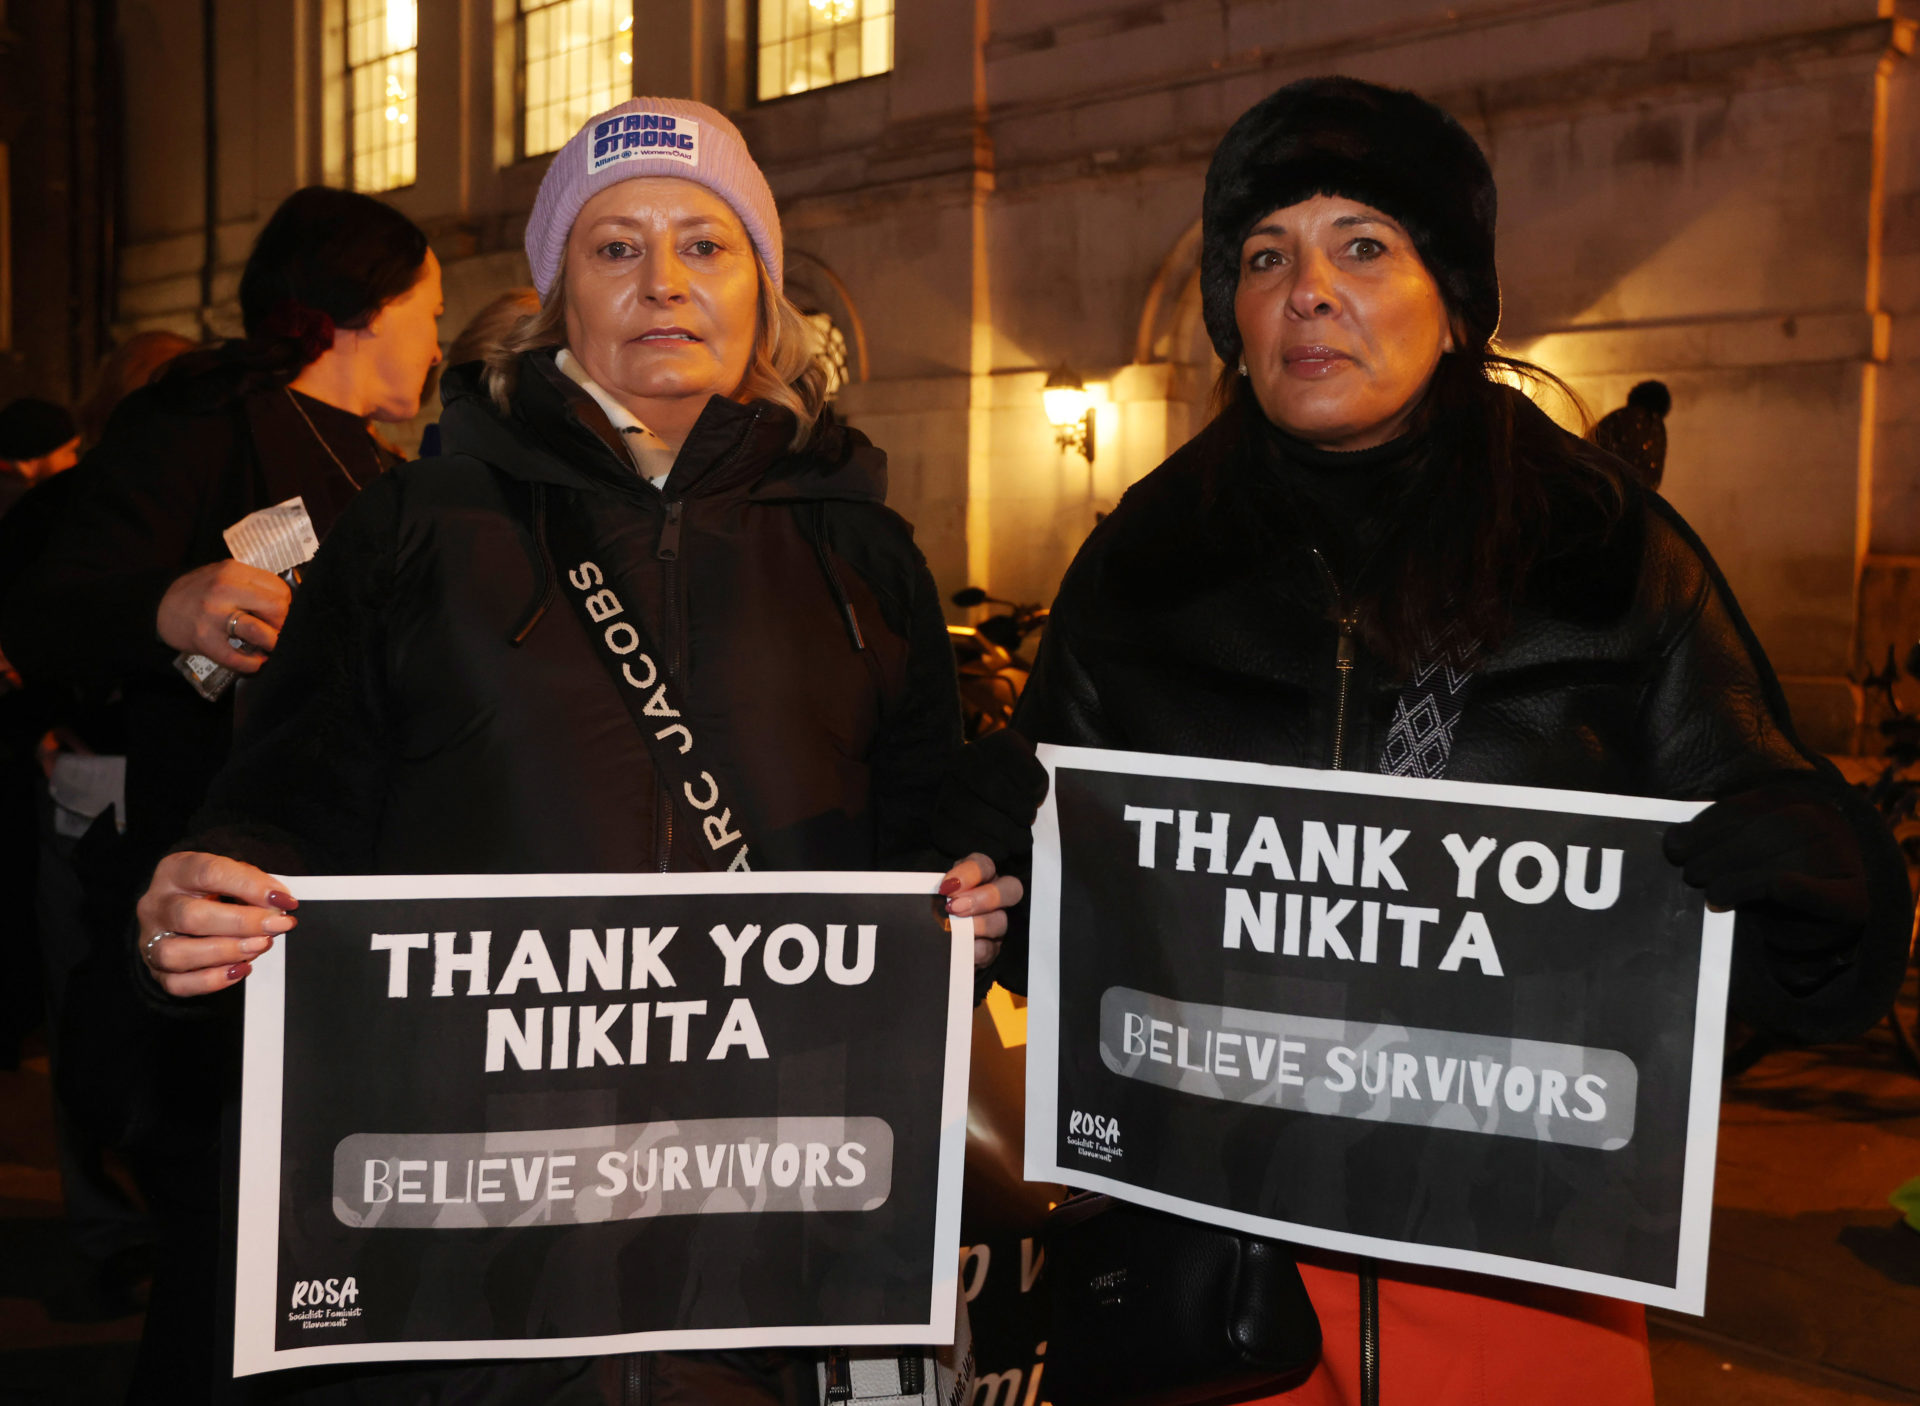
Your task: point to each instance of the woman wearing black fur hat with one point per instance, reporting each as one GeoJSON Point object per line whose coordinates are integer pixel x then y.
{"type": "Point", "coordinates": [1373, 498]}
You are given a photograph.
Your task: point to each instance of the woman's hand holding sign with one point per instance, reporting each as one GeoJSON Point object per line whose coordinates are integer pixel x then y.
{"type": "Point", "coordinates": [204, 918]}
{"type": "Point", "coordinates": [987, 806]}
{"type": "Point", "coordinates": [973, 891]}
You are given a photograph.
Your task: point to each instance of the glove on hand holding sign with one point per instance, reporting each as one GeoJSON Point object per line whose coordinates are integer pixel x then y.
{"type": "Point", "coordinates": [1786, 855]}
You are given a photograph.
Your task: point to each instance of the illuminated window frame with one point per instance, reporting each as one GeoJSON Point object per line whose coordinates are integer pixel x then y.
{"type": "Point", "coordinates": [800, 46]}
{"type": "Point", "coordinates": [382, 65]}
{"type": "Point", "coordinates": [575, 60]}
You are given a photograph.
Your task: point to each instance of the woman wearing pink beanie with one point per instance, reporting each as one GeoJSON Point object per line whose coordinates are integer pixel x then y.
{"type": "Point", "coordinates": [438, 703]}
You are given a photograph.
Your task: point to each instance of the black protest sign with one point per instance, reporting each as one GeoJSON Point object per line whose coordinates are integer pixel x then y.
{"type": "Point", "coordinates": [523, 1116]}
{"type": "Point", "coordinates": [1459, 1025]}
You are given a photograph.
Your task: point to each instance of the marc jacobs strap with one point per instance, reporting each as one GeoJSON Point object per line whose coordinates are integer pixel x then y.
{"type": "Point", "coordinates": [606, 607]}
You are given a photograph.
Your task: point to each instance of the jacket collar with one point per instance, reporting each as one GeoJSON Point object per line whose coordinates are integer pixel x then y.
{"type": "Point", "coordinates": [557, 433]}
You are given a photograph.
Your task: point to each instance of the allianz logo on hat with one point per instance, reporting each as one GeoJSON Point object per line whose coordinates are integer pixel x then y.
{"type": "Point", "coordinates": [649, 134]}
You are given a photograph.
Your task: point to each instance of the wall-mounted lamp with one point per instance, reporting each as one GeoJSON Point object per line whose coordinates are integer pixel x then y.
{"type": "Point", "coordinates": [1070, 409]}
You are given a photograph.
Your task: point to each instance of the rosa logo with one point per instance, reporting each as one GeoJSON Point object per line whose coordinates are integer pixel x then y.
{"type": "Point", "coordinates": [1092, 1125]}
{"type": "Point", "coordinates": [328, 1293]}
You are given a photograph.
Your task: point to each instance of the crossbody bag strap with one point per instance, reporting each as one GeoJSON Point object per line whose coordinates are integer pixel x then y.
{"type": "Point", "coordinates": [608, 612]}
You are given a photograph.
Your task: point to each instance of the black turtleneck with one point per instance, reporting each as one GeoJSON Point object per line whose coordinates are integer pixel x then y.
{"type": "Point", "coordinates": [1347, 500]}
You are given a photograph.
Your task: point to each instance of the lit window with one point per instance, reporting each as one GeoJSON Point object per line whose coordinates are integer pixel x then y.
{"type": "Point", "coordinates": [576, 60]}
{"type": "Point", "coordinates": [806, 44]}
{"type": "Point", "coordinates": [382, 51]}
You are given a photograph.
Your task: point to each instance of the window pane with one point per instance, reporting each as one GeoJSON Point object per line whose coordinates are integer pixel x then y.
{"type": "Point", "coordinates": [582, 51]}
{"type": "Point", "coordinates": [806, 44]}
{"type": "Point", "coordinates": [382, 57]}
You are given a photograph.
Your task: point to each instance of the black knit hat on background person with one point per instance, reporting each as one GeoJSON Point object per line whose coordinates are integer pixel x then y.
{"type": "Point", "coordinates": [32, 429]}
{"type": "Point", "coordinates": [1384, 147]}
{"type": "Point", "coordinates": [1636, 433]}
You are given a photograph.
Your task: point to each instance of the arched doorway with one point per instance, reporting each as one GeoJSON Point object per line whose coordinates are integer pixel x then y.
{"type": "Point", "coordinates": [1172, 335]}
{"type": "Point", "coordinates": [840, 343]}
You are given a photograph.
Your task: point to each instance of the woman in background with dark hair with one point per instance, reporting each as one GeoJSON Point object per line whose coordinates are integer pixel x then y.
{"type": "Point", "coordinates": [1380, 556]}
{"type": "Point", "coordinates": [339, 299]}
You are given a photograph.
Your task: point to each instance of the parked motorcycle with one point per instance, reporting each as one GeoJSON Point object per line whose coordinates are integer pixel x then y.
{"type": "Point", "coordinates": [993, 668]}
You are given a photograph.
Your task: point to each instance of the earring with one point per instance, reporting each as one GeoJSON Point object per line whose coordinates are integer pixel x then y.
{"type": "Point", "coordinates": [1243, 366]}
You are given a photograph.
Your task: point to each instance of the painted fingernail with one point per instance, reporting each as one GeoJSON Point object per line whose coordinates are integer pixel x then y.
{"type": "Point", "coordinates": [286, 903]}
{"type": "Point", "coordinates": [254, 945]}
{"type": "Point", "coordinates": [961, 906]}
{"type": "Point", "coordinates": [949, 885]}
{"type": "Point", "coordinates": [276, 924]}
{"type": "Point", "coordinates": [238, 970]}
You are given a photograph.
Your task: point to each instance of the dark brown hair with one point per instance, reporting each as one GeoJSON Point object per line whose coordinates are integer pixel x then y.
{"type": "Point", "coordinates": [324, 260]}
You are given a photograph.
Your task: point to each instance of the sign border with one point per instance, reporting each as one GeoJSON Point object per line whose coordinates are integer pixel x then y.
{"type": "Point", "coordinates": [256, 1274]}
{"type": "Point", "coordinates": [1688, 1292]}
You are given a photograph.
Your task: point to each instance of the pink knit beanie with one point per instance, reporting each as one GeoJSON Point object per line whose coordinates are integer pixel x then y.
{"type": "Point", "coordinates": [650, 137]}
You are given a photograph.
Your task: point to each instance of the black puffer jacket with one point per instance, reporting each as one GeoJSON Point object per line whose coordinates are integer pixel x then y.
{"type": "Point", "coordinates": [436, 705]}
{"type": "Point", "coordinates": [1196, 620]}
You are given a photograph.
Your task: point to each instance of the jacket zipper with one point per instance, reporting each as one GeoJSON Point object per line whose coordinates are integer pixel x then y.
{"type": "Point", "coordinates": [1345, 658]}
{"type": "Point", "coordinates": [668, 553]}
{"type": "Point", "coordinates": [1369, 1333]}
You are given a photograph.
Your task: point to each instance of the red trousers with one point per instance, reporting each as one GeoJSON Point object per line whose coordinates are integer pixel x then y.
{"type": "Point", "coordinates": [1454, 1339]}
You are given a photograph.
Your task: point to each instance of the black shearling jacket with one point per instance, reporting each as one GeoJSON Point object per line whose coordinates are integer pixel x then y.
{"type": "Point", "coordinates": [1196, 621]}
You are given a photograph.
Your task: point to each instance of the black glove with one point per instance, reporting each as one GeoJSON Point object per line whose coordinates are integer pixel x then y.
{"type": "Point", "coordinates": [989, 799]}
{"type": "Point", "coordinates": [1786, 852]}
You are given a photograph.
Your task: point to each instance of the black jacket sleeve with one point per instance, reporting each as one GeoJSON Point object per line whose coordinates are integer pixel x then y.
{"type": "Point", "coordinates": [1714, 722]}
{"type": "Point", "coordinates": [1059, 705]}
{"type": "Point", "coordinates": [920, 734]}
{"type": "Point", "coordinates": [84, 614]}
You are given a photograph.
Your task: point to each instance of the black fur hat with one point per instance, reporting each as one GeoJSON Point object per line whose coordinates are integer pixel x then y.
{"type": "Point", "coordinates": [1385, 147]}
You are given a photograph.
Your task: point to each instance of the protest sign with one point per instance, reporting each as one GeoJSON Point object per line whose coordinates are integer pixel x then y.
{"type": "Point", "coordinates": [1450, 1024]}
{"type": "Point", "coordinates": [551, 1115]}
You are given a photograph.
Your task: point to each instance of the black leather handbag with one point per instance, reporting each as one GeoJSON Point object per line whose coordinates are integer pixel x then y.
{"type": "Point", "coordinates": [1156, 1310]}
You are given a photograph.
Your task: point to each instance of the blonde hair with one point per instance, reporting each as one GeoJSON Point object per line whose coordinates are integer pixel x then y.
{"type": "Point", "coordinates": [485, 329]}
{"type": "Point", "coordinates": [783, 367]}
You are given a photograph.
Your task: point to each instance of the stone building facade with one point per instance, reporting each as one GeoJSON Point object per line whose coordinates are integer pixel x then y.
{"type": "Point", "coordinates": [1721, 193]}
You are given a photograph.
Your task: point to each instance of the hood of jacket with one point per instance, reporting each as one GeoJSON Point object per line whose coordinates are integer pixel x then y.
{"type": "Point", "coordinates": [555, 433]}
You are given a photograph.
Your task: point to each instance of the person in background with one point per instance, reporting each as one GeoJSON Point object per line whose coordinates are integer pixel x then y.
{"type": "Point", "coordinates": [37, 440]}
{"type": "Point", "coordinates": [78, 802]}
{"type": "Point", "coordinates": [125, 369]}
{"type": "Point", "coordinates": [1636, 433]}
{"type": "Point", "coordinates": [480, 338]}
{"type": "Point", "coordinates": [340, 299]}
{"type": "Point", "coordinates": [1381, 556]}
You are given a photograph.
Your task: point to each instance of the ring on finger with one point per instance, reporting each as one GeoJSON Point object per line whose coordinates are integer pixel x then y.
{"type": "Point", "coordinates": [146, 948]}
{"type": "Point", "coordinates": [234, 642]}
